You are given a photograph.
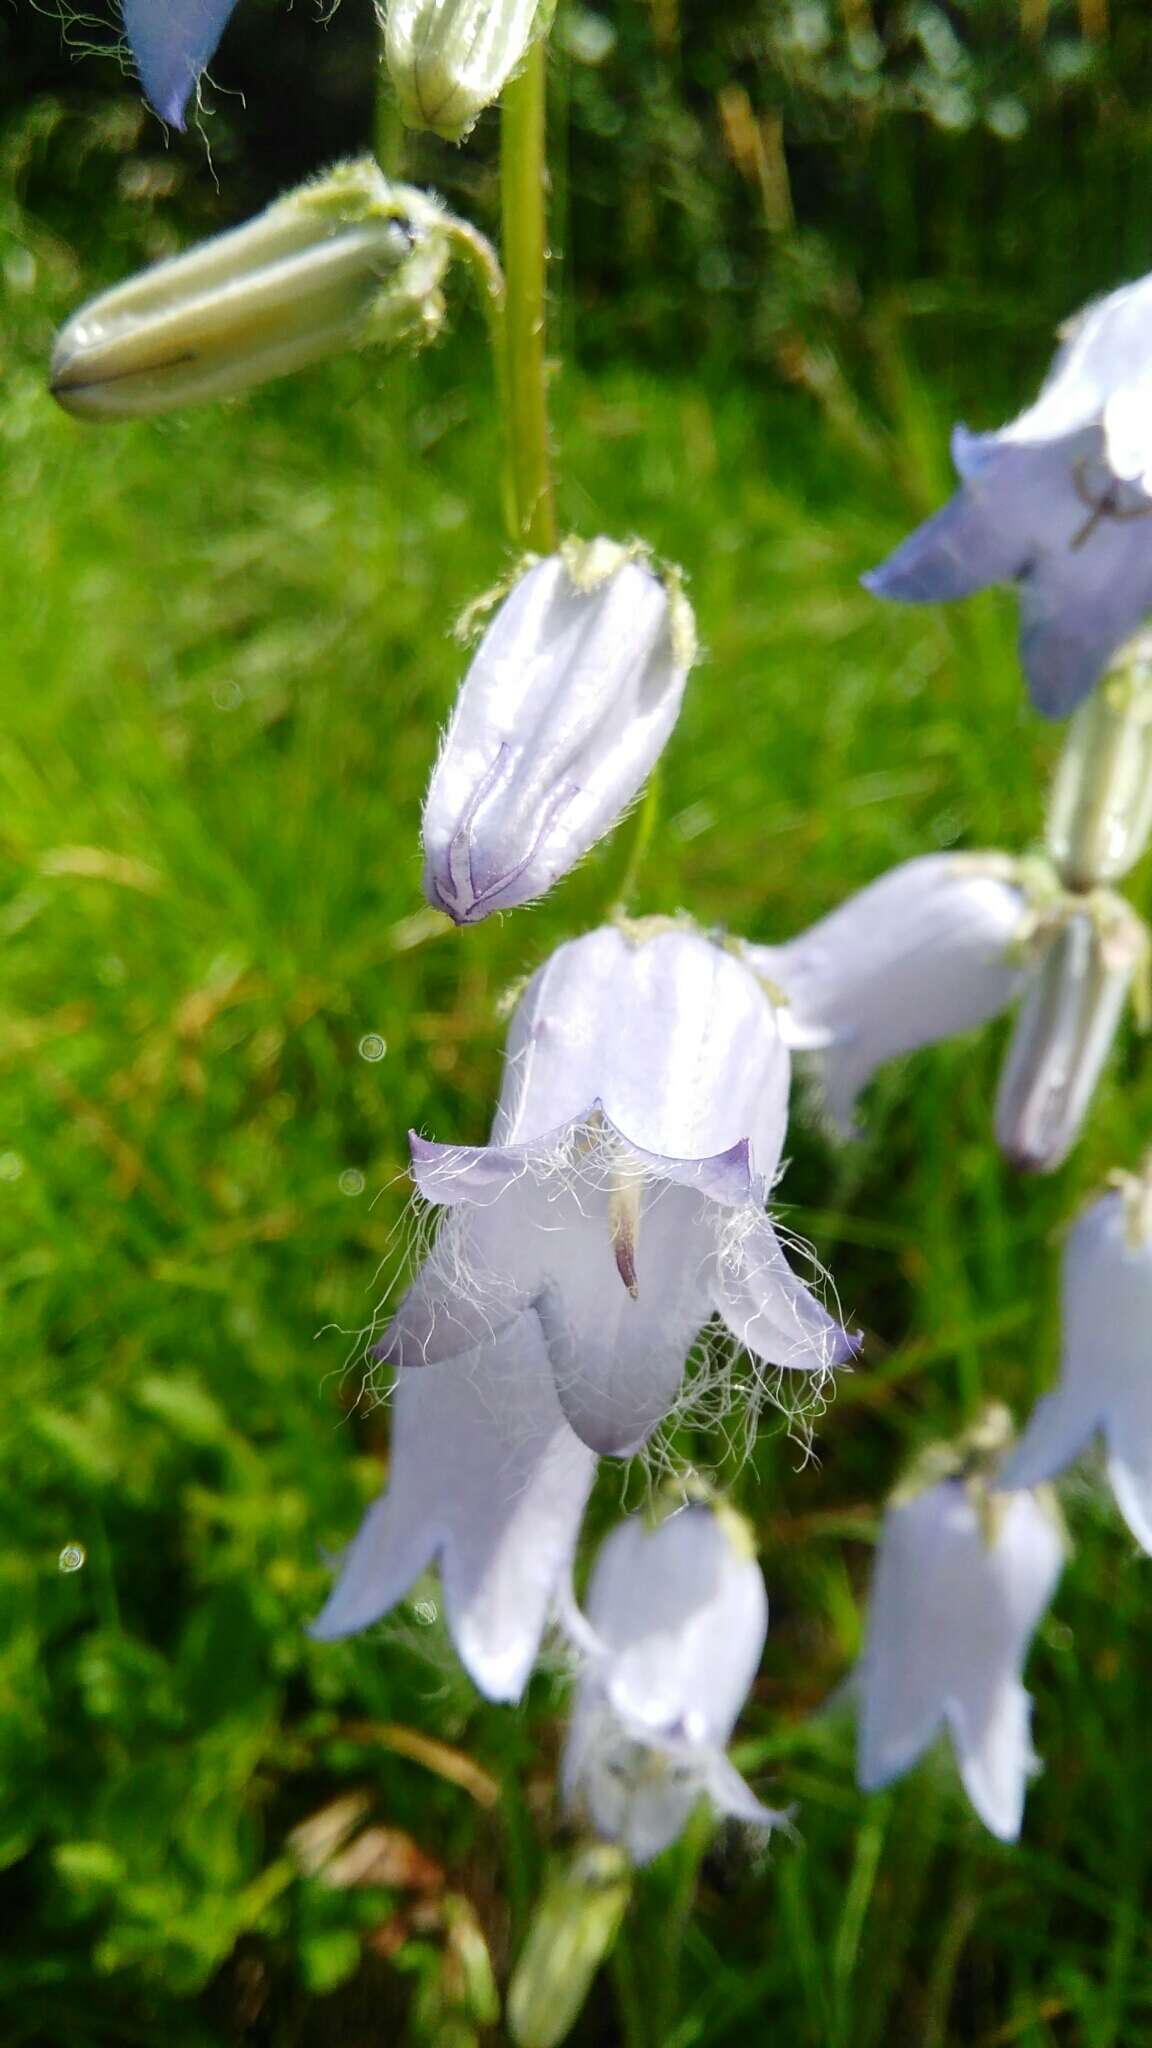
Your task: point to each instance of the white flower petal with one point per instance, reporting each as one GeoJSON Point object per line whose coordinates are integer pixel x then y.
{"type": "Point", "coordinates": [952, 1611]}
{"type": "Point", "coordinates": [768, 1309]}
{"type": "Point", "coordinates": [486, 1477]}
{"type": "Point", "coordinates": [922, 954]}
{"type": "Point", "coordinates": [565, 709]}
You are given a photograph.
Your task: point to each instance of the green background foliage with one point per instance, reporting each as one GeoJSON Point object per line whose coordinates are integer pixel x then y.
{"type": "Point", "coordinates": [795, 242]}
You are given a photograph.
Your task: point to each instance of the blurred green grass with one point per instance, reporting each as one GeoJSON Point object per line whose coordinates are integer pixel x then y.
{"type": "Point", "coordinates": [226, 654]}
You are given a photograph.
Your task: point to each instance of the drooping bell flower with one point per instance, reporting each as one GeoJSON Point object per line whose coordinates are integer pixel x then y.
{"type": "Point", "coordinates": [347, 259]}
{"type": "Point", "coordinates": [678, 1615]}
{"type": "Point", "coordinates": [961, 1580]}
{"type": "Point", "coordinates": [1075, 993]}
{"type": "Point", "coordinates": [621, 1198]}
{"type": "Point", "coordinates": [449, 59]}
{"type": "Point", "coordinates": [1058, 502]}
{"type": "Point", "coordinates": [487, 1480]}
{"type": "Point", "coordinates": [930, 950]}
{"type": "Point", "coordinates": [563, 713]}
{"type": "Point", "coordinates": [172, 42]}
{"type": "Point", "coordinates": [1105, 1383]}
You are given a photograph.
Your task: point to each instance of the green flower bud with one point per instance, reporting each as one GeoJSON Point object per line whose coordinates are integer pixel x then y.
{"type": "Point", "coordinates": [346, 259]}
{"type": "Point", "coordinates": [1100, 811]}
{"type": "Point", "coordinates": [573, 1930]}
{"type": "Point", "coordinates": [449, 59]}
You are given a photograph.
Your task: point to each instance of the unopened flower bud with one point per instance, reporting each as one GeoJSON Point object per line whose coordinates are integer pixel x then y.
{"type": "Point", "coordinates": [1064, 1030]}
{"type": "Point", "coordinates": [573, 1930]}
{"type": "Point", "coordinates": [1100, 813]}
{"type": "Point", "coordinates": [570, 698]}
{"type": "Point", "coordinates": [346, 259]}
{"type": "Point", "coordinates": [449, 59]}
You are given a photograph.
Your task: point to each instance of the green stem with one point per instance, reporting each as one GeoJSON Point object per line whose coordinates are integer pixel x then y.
{"type": "Point", "coordinates": [483, 262]}
{"type": "Point", "coordinates": [646, 818]}
{"type": "Point", "coordinates": [523, 178]}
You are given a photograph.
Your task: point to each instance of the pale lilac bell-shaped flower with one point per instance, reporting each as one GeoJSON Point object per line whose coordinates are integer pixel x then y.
{"type": "Point", "coordinates": [172, 41]}
{"type": "Point", "coordinates": [960, 1583]}
{"type": "Point", "coordinates": [677, 1616]}
{"type": "Point", "coordinates": [1105, 1383]}
{"type": "Point", "coordinates": [487, 1479]}
{"type": "Point", "coordinates": [930, 950]}
{"type": "Point", "coordinates": [621, 1198]}
{"type": "Point", "coordinates": [567, 705]}
{"type": "Point", "coordinates": [1077, 987]}
{"type": "Point", "coordinates": [1058, 502]}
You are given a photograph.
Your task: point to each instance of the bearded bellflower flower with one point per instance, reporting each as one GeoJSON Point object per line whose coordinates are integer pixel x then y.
{"type": "Point", "coordinates": [564, 711]}
{"type": "Point", "coordinates": [960, 1583]}
{"type": "Point", "coordinates": [347, 259]}
{"type": "Point", "coordinates": [928, 951]}
{"type": "Point", "coordinates": [1075, 994]}
{"type": "Point", "coordinates": [1058, 502]}
{"type": "Point", "coordinates": [1105, 1383]}
{"type": "Point", "coordinates": [678, 1615]}
{"type": "Point", "coordinates": [487, 1479]}
{"type": "Point", "coordinates": [172, 41]}
{"type": "Point", "coordinates": [621, 1199]}
{"type": "Point", "coordinates": [449, 59]}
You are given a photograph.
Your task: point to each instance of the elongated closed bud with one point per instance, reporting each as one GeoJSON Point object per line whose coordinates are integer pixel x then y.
{"type": "Point", "coordinates": [346, 259]}
{"type": "Point", "coordinates": [1100, 811]}
{"type": "Point", "coordinates": [570, 698]}
{"type": "Point", "coordinates": [449, 59]}
{"type": "Point", "coordinates": [1064, 1030]}
{"type": "Point", "coordinates": [573, 1930]}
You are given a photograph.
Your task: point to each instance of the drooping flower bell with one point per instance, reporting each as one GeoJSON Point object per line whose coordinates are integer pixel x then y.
{"type": "Point", "coordinates": [961, 1580]}
{"type": "Point", "coordinates": [487, 1479]}
{"type": "Point", "coordinates": [1078, 983]}
{"type": "Point", "coordinates": [345, 260]}
{"type": "Point", "coordinates": [449, 59]}
{"type": "Point", "coordinates": [172, 41]}
{"type": "Point", "coordinates": [928, 951]}
{"type": "Point", "coordinates": [621, 1198]}
{"type": "Point", "coordinates": [678, 1615]}
{"type": "Point", "coordinates": [1105, 1383]}
{"type": "Point", "coordinates": [564, 711]}
{"type": "Point", "coordinates": [1057, 501]}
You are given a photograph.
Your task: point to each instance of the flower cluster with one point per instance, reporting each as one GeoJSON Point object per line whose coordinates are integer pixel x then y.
{"type": "Point", "coordinates": [608, 1262]}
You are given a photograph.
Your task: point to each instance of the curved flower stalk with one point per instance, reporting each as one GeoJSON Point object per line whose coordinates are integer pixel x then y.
{"type": "Point", "coordinates": [1077, 986]}
{"type": "Point", "coordinates": [346, 259]}
{"type": "Point", "coordinates": [621, 1198]}
{"type": "Point", "coordinates": [930, 950]}
{"type": "Point", "coordinates": [449, 59]}
{"type": "Point", "coordinates": [1105, 1383]}
{"type": "Point", "coordinates": [678, 1615]}
{"type": "Point", "coordinates": [564, 711]}
{"type": "Point", "coordinates": [1058, 502]}
{"type": "Point", "coordinates": [961, 1581]}
{"type": "Point", "coordinates": [488, 1480]}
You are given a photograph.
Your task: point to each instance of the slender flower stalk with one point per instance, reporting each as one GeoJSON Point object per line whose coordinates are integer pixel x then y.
{"type": "Point", "coordinates": [523, 200]}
